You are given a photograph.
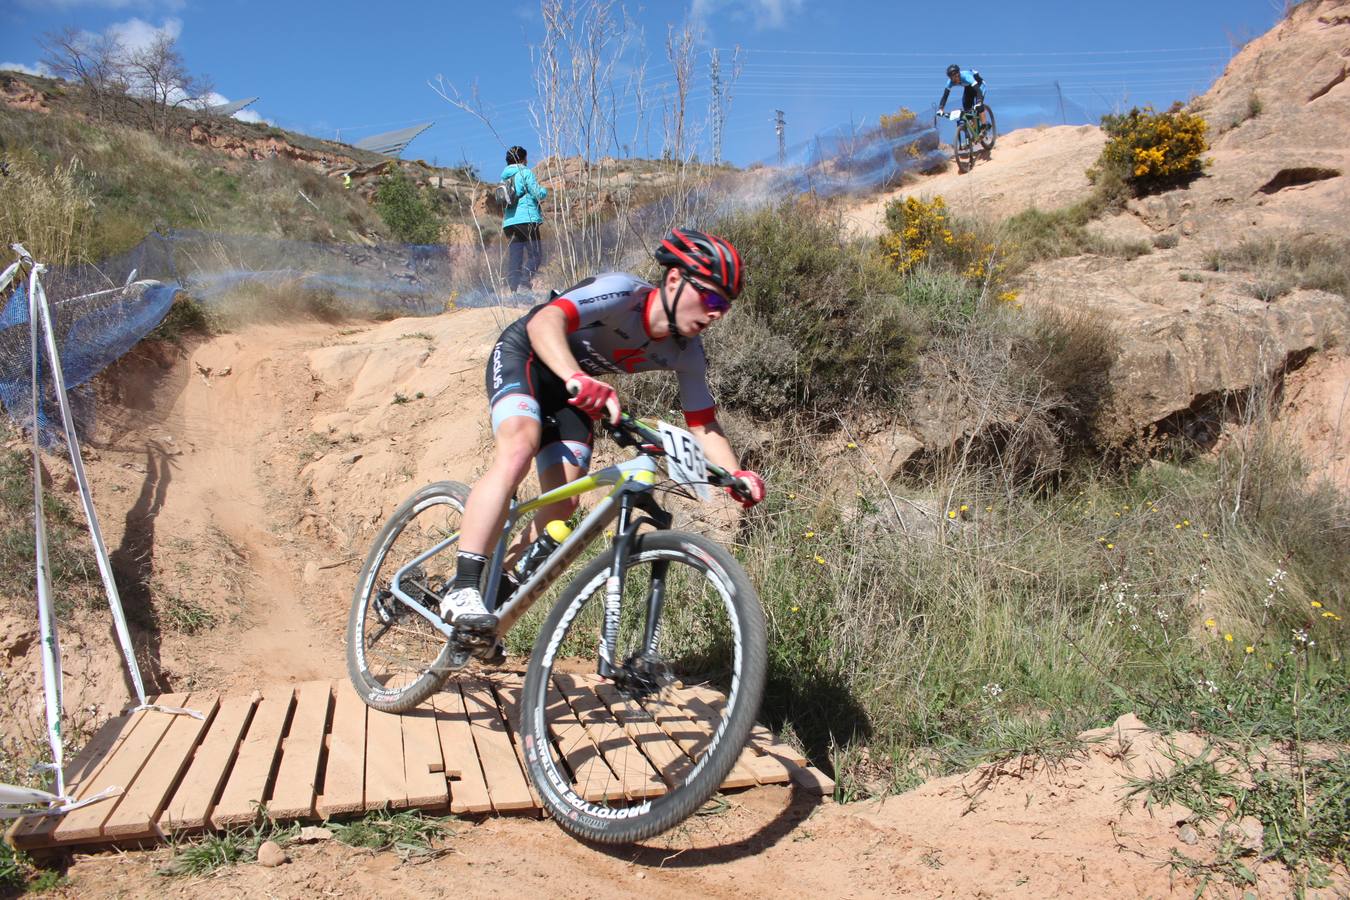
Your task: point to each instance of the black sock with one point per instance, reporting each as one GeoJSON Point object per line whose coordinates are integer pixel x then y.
{"type": "Point", "coordinates": [469, 570]}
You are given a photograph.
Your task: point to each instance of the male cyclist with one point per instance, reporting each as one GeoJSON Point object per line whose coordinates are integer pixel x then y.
{"type": "Point", "coordinates": [544, 396]}
{"type": "Point", "coordinates": [972, 87]}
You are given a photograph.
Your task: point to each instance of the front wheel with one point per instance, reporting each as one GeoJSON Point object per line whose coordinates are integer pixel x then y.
{"type": "Point", "coordinates": [620, 759]}
{"type": "Point", "coordinates": [988, 130]}
{"type": "Point", "coordinates": [964, 148]}
{"type": "Point", "coordinates": [395, 656]}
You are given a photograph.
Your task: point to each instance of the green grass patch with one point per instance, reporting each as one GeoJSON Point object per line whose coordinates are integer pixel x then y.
{"type": "Point", "coordinates": [409, 833]}
{"type": "Point", "coordinates": [215, 851]}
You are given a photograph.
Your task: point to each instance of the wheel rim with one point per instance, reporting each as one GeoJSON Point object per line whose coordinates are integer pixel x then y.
{"type": "Point", "coordinates": [675, 725]}
{"type": "Point", "coordinates": [395, 645]}
{"type": "Point", "coordinates": [965, 151]}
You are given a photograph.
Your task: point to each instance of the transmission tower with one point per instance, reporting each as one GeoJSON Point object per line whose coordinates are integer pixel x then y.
{"type": "Point", "coordinates": [780, 128]}
{"type": "Point", "coordinates": [715, 75]}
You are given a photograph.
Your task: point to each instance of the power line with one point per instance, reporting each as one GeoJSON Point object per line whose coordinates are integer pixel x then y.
{"type": "Point", "coordinates": [983, 53]}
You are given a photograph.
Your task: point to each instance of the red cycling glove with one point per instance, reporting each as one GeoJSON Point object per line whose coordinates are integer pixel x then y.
{"type": "Point", "coordinates": [593, 397]}
{"type": "Point", "coordinates": [750, 490]}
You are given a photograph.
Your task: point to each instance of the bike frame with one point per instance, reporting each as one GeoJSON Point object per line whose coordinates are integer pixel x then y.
{"type": "Point", "coordinates": [632, 482]}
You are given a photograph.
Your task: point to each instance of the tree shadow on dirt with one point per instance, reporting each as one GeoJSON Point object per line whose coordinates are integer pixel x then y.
{"type": "Point", "coordinates": [133, 568]}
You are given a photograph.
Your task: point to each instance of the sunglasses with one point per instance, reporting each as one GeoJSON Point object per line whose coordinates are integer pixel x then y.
{"type": "Point", "coordinates": [711, 300]}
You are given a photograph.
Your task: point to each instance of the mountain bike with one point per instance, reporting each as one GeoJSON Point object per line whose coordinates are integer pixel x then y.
{"type": "Point", "coordinates": [660, 610]}
{"type": "Point", "coordinates": [975, 126]}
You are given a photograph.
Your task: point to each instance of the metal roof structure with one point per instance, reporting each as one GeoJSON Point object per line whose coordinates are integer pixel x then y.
{"type": "Point", "coordinates": [229, 109]}
{"type": "Point", "coordinates": [392, 143]}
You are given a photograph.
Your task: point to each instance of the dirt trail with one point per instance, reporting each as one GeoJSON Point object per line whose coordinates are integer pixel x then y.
{"type": "Point", "coordinates": [213, 508]}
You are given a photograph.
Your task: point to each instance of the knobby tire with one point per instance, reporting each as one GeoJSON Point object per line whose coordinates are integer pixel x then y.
{"type": "Point", "coordinates": [427, 666]}
{"type": "Point", "coordinates": [713, 576]}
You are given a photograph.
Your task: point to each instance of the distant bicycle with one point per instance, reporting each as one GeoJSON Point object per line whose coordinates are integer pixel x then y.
{"type": "Point", "coordinates": [975, 126]}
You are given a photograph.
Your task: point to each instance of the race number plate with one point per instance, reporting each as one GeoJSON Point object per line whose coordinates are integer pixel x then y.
{"type": "Point", "coordinates": [685, 460]}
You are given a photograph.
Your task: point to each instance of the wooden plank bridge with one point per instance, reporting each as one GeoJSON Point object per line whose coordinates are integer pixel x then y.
{"type": "Point", "coordinates": [315, 751]}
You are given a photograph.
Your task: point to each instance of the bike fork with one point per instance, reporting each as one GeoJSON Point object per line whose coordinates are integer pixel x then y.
{"type": "Point", "coordinates": [618, 572]}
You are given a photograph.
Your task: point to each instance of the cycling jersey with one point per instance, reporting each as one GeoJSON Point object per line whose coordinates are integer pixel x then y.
{"type": "Point", "coordinates": [607, 333]}
{"type": "Point", "coordinates": [971, 82]}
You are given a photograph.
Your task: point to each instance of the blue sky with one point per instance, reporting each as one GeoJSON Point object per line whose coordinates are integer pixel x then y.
{"type": "Point", "coordinates": [357, 69]}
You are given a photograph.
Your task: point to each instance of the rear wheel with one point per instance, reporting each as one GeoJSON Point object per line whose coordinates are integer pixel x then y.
{"type": "Point", "coordinates": [964, 148]}
{"type": "Point", "coordinates": [395, 656]}
{"type": "Point", "coordinates": [988, 130]}
{"type": "Point", "coordinates": [688, 708]}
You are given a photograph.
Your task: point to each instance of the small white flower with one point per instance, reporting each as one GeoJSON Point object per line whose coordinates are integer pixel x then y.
{"type": "Point", "coordinates": [992, 690]}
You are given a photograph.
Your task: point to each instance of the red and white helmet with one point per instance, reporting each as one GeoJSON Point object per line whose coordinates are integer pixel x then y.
{"type": "Point", "coordinates": [708, 256]}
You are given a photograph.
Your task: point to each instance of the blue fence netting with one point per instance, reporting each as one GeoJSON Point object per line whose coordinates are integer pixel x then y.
{"type": "Point", "coordinates": [103, 310]}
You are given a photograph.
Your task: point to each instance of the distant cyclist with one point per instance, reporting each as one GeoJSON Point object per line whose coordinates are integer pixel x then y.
{"type": "Point", "coordinates": [972, 88]}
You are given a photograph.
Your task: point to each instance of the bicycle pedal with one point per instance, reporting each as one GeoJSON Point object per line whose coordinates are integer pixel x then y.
{"type": "Point", "coordinates": [491, 655]}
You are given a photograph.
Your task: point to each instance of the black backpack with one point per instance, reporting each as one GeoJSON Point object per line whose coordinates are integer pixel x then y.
{"type": "Point", "coordinates": [504, 194]}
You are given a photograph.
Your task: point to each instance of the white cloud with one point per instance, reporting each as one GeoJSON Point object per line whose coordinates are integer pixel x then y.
{"type": "Point", "coordinates": [38, 69]}
{"type": "Point", "coordinates": [763, 15]}
{"type": "Point", "coordinates": [137, 34]}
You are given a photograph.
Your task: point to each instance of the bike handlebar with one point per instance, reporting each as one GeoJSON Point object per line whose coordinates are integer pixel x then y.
{"type": "Point", "coordinates": [631, 432]}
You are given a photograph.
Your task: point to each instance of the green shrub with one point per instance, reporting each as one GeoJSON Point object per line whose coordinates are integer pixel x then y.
{"type": "Point", "coordinates": [821, 321]}
{"type": "Point", "coordinates": [1150, 150]}
{"type": "Point", "coordinates": [409, 212]}
{"type": "Point", "coordinates": [185, 316]}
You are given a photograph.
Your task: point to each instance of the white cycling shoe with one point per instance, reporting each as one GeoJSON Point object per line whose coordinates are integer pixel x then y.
{"type": "Point", "coordinates": [463, 608]}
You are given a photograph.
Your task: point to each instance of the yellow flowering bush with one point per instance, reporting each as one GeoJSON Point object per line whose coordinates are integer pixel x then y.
{"type": "Point", "coordinates": [920, 231]}
{"type": "Point", "coordinates": [898, 122]}
{"type": "Point", "coordinates": [1149, 149]}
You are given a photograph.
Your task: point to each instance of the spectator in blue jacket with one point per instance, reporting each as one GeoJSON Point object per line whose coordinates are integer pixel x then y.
{"type": "Point", "coordinates": [969, 81]}
{"type": "Point", "coordinates": [521, 221]}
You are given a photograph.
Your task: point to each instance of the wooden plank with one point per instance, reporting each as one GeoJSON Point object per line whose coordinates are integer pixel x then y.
{"type": "Point", "coordinates": [191, 804]}
{"type": "Point", "coordinates": [246, 786]}
{"type": "Point", "coordinates": [766, 769]}
{"type": "Point", "coordinates": [385, 784]}
{"type": "Point", "coordinates": [664, 754]}
{"type": "Point", "coordinates": [508, 688]}
{"type": "Point", "coordinates": [747, 764]}
{"type": "Point", "coordinates": [763, 740]}
{"type": "Point", "coordinates": [592, 778]}
{"type": "Point", "coordinates": [423, 765]}
{"type": "Point", "coordinates": [468, 790]}
{"type": "Point", "coordinates": [813, 781]}
{"type": "Point", "coordinates": [344, 775]}
{"type": "Point", "coordinates": [505, 782]}
{"type": "Point", "coordinates": [634, 771]}
{"type": "Point", "coordinates": [298, 775]}
{"type": "Point", "coordinates": [137, 816]}
{"type": "Point", "coordinates": [693, 736]}
{"type": "Point", "coordinates": [121, 770]}
{"type": "Point", "coordinates": [36, 831]}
